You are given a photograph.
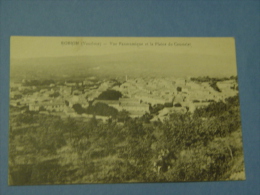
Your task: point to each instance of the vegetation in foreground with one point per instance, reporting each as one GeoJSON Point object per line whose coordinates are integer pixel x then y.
{"type": "Point", "coordinates": [203, 146]}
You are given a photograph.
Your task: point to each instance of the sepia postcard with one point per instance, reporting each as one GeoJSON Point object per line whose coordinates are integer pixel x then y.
{"type": "Point", "coordinates": [123, 110]}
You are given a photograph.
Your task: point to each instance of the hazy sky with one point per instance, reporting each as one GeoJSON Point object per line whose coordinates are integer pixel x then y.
{"type": "Point", "coordinates": [221, 50]}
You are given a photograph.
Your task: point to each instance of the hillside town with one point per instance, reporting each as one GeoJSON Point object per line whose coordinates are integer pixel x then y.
{"type": "Point", "coordinates": [124, 130]}
{"type": "Point", "coordinates": [138, 95]}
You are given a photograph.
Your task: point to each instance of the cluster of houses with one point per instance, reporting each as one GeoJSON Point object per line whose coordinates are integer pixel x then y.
{"type": "Point", "coordinates": [178, 95]}
{"type": "Point", "coordinates": [138, 95]}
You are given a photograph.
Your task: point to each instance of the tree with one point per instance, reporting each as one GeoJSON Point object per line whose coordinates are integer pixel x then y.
{"type": "Point", "coordinates": [146, 118]}
{"type": "Point", "coordinates": [156, 108]}
{"type": "Point", "coordinates": [78, 108]}
{"type": "Point", "coordinates": [102, 109]}
{"type": "Point", "coordinates": [123, 116]}
{"type": "Point", "coordinates": [110, 95]}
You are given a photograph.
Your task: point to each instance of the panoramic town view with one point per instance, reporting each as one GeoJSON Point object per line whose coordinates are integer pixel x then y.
{"type": "Point", "coordinates": [123, 117]}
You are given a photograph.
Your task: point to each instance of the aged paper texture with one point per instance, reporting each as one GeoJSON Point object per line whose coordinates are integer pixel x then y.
{"type": "Point", "coordinates": [123, 109]}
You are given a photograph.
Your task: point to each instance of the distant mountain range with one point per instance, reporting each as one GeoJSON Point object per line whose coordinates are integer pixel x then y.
{"type": "Point", "coordinates": [133, 64]}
